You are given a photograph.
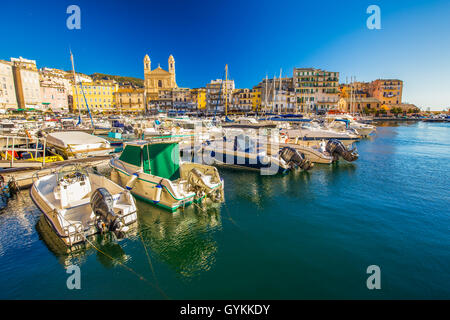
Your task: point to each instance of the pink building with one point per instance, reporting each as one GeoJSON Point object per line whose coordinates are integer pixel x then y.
{"type": "Point", "coordinates": [54, 97]}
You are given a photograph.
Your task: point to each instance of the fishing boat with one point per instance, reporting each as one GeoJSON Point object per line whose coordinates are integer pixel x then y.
{"type": "Point", "coordinates": [153, 172]}
{"type": "Point", "coordinates": [77, 144]}
{"type": "Point", "coordinates": [244, 152]}
{"type": "Point", "coordinates": [78, 204]}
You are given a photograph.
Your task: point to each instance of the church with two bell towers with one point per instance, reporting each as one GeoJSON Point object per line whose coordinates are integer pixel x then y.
{"type": "Point", "coordinates": [158, 79]}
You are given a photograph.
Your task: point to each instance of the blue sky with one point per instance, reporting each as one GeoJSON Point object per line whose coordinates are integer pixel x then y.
{"type": "Point", "coordinates": [255, 38]}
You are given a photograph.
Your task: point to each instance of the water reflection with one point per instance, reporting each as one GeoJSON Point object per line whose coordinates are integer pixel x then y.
{"type": "Point", "coordinates": [104, 244]}
{"type": "Point", "coordinates": [182, 240]}
{"type": "Point", "coordinates": [261, 190]}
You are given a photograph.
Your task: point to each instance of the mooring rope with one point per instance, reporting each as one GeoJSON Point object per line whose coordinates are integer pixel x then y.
{"type": "Point", "coordinates": [141, 277]}
{"type": "Point", "coordinates": [150, 262]}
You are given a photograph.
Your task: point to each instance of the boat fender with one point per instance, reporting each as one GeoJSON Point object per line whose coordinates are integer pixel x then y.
{"type": "Point", "coordinates": [159, 189]}
{"type": "Point", "coordinates": [131, 183]}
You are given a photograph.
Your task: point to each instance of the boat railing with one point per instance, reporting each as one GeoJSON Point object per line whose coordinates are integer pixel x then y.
{"type": "Point", "coordinates": [10, 145]}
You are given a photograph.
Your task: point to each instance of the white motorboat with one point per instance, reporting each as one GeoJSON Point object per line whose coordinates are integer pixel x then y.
{"type": "Point", "coordinates": [345, 122]}
{"type": "Point", "coordinates": [313, 134]}
{"type": "Point", "coordinates": [78, 204]}
{"type": "Point", "coordinates": [326, 151]}
{"type": "Point", "coordinates": [244, 152]}
{"type": "Point", "coordinates": [77, 144]}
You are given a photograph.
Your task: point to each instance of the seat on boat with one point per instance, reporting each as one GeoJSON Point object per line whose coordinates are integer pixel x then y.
{"type": "Point", "coordinates": [73, 194]}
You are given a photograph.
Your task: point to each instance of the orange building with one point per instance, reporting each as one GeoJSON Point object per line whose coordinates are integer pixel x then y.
{"type": "Point", "coordinates": [388, 91]}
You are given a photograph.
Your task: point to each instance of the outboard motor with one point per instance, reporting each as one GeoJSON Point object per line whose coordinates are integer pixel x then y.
{"type": "Point", "coordinates": [336, 148]}
{"type": "Point", "coordinates": [102, 205]}
{"type": "Point", "coordinates": [295, 159]}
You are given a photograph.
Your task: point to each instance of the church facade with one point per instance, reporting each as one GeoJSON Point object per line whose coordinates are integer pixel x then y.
{"type": "Point", "coordinates": [158, 79]}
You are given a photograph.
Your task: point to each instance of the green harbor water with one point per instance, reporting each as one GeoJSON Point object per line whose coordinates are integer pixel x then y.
{"type": "Point", "coordinates": [304, 235]}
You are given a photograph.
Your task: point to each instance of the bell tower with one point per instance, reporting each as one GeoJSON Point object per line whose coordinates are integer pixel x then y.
{"type": "Point", "coordinates": [172, 71]}
{"type": "Point", "coordinates": [147, 63]}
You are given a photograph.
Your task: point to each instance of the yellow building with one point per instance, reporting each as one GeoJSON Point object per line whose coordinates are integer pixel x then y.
{"type": "Point", "coordinates": [199, 98]}
{"type": "Point", "coordinates": [256, 99]}
{"type": "Point", "coordinates": [388, 91]}
{"type": "Point", "coordinates": [355, 90]}
{"type": "Point", "coordinates": [99, 96]}
{"type": "Point", "coordinates": [359, 104]}
{"type": "Point", "coordinates": [130, 100]}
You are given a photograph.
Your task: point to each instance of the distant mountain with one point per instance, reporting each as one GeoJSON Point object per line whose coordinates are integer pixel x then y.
{"type": "Point", "coordinates": [121, 80]}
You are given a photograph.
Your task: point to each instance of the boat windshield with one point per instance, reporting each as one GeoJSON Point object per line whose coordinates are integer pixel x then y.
{"type": "Point", "coordinates": [245, 143]}
{"type": "Point", "coordinates": [71, 169]}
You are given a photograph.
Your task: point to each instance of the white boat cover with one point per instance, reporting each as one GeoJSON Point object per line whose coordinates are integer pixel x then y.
{"type": "Point", "coordinates": [65, 138]}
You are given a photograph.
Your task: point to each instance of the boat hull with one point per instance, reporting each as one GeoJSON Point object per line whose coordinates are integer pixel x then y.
{"type": "Point", "coordinates": [244, 161]}
{"type": "Point", "coordinates": [71, 235]}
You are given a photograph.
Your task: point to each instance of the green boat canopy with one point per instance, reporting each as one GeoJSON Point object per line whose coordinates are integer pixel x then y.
{"type": "Point", "coordinates": [159, 159]}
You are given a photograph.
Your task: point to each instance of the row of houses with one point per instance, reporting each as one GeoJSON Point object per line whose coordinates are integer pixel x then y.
{"type": "Point", "coordinates": [24, 86]}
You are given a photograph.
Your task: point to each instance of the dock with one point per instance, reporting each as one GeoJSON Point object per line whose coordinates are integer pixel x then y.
{"type": "Point", "coordinates": [24, 176]}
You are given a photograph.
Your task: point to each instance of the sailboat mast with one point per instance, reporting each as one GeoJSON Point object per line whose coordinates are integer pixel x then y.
{"type": "Point", "coordinates": [265, 98]}
{"type": "Point", "coordinates": [226, 97]}
{"type": "Point", "coordinates": [273, 93]}
{"type": "Point", "coordinates": [351, 94]}
{"type": "Point", "coordinates": [82, 91]}
{"type": "Point", "coordinates": [279, 90]}
{"type": "Point", "coordinates": [75, 83]}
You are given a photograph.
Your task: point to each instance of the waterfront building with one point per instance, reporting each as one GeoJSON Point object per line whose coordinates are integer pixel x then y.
{"type": "Point", "coordinates": [158, 79]}
{"type": "Point", "coordinates": [199, 98]}
{"type": "Point", "coordinates": [174, 98]}
{"type": "Point", "coordinates": [388, 91]}
{"type": "Point", "coordinates": [53, 97]}
{"type": "Point", "coordinates": [279, 94]}
{"type": "Point", "coordinates": [182, 99]}
{"type": "Point", "coordinates": [57, 76]}
{"type": "Point", "coordinates": [55, 89]}
{"type": "Point", "coordinates": [359, 104]}
{"type": "Point", "coordinates": [26, 81]}
{"type": "Point", "coordinates": [164, 101]}
{"type": "Point", "coordinates": [256, 98]}
{"type": "Point", "coordinates": [316, 89]}
{"type": "Point", "coordinates": [8, 97]}
{"type": "Point", "coordinates": [129, 99]}
{"type": "Point", "coordinates": [241, 101]}
{"type": "Point", "coordinates": [100, 96]}
{"type": "Point", "coordinates": [355, 89]}
{"type": "Point", "coordinates": [216, 93]}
